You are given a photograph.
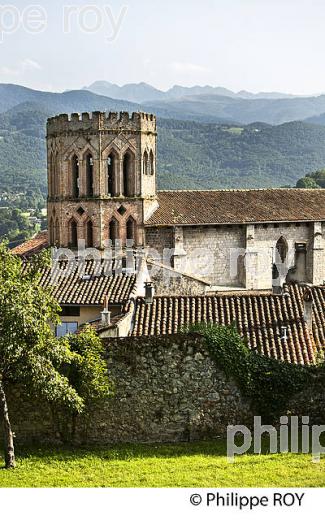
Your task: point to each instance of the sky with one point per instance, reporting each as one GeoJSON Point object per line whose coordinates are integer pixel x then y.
{"type": "Point", "coordinates": [255, 45]}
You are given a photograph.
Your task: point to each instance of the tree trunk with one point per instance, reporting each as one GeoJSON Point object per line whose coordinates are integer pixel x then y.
{"type": "Point", "coordinates": [8, 433]}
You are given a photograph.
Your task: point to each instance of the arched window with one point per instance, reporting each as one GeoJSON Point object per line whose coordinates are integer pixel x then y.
{"type": "Point", "coordinates": [127, 175]}
{"type": "Point", "coordinates": [75, 176]}
{"type": "Point", "coordinates": [89, 234]}
{"type": "Point", "coordinates": [57, 232]}
{"type": "Point", "coordinates": [51, 174]}
{"type": "Point", "coordinates": [73, 233]}
{"type": "Point", "coordinates": [111, 174]}
{"type": "Point", "coordinates": [282, 249]}
{"type": "Point", "coordinates": [52, 232]}
{"type": "Point", "coordinates": [151, 163]}
{"type": "Point", "coordinates": [130, 229]}
{"type": "Point", "coordinates": [55, 173]}
{"type": "Point", "coordinates": [145, 163]}
{"type": "Point", "coordinates": [113, 230]}
{"type": "Point", "coordinates": [89, 175]}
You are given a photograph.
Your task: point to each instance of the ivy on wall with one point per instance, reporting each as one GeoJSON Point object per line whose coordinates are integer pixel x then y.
{"type": "Point", "coordinates": [269, 384]}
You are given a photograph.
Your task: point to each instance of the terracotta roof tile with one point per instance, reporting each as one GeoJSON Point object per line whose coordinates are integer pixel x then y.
{"type": "Point", "coordinates": [32, 246]}
{"type": "Point", "coordinates": [238, 206]}
{"type": "Point", "coordinates": [76, 289]}
{"type": "Point", "coordinates": [259, 319]}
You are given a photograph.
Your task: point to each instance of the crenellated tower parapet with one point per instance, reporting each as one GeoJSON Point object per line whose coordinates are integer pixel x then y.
{"type": "Point", "coordinates": [101, 176]}
{"type": "Point", "coordinates": [101, 121]}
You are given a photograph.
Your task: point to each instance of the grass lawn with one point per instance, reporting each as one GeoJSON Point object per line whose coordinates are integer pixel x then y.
{"type": "Point", "coordinates": [197, 464]}
{"type": "Point", "coordinates": [234, 130]}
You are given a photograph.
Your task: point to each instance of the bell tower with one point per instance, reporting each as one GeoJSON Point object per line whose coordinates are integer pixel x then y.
{"type": "Point", "coordinates": [101, 177]}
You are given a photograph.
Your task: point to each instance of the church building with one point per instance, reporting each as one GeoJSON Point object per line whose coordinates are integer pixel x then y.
{"type": "Point", "coordinates": [219, 256]}
{"type": "Point", "coordinates": [102, 178]}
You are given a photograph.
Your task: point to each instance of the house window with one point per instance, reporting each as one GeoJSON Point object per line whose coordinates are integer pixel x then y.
{"type": "Point", "coordinates": [65, 328]}
{"type": "Point", "coordinates": [70, 310]}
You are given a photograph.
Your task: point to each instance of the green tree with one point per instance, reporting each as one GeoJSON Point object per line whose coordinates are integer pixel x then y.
{"type": "Point", "coordinates": [319, 177]}
{"type": "Point", "coordinates": [30, 355]}
{"type": "Point", "coordinates": [88, 371]}
{"type": "Point", "coordinates": [307, 182]}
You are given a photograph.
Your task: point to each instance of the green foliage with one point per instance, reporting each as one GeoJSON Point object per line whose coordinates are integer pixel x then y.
{"type": "Point", "coordinates": [307, 182]}
{"type": "Point", "coordinates": [267, 383]}
{"type": "Point", "coordinates": [88, 371]}
{"type": "Point", "coordinates": [67, 372]}
{"type": "Point", "coordinates": [23, 159]}
{"type": "Point", "coordinates": [29, 352]}
{"type": "Point", "coordinates": [313, 180]}
{"type": "Point", "coordinates": [14, 225]}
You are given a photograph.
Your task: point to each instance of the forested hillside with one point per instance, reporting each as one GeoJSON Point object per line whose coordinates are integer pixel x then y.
{"type": "Point", "coordinates": [23, 157]}
{"type": "Point", "coordinates": [190, 154]}
{"type": "Point", "coordinates": [193, 155]}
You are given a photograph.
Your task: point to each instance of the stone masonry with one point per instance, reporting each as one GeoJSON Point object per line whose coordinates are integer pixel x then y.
{"type": "Point", "coordinates": [102, 179]}
{"type": "Point", "coordinates": [166, 390]}
{"type": "Point", "coordinates": [100, 168]}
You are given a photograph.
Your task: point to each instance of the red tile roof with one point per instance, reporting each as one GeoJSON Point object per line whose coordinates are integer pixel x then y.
{"type": "Point", "coordinates": [258, 317]}
{"type": "Point", "coordinates": [238, 206]}
{"type": "Point", "coordinates": [33, 245]}
{"type": "Point", "coordinates": [77, 289]}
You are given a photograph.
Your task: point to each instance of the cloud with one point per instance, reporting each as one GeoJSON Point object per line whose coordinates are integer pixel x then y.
{"type": "Point", "coordinates": [26, 65]}
{"type": "Point", "coordinates": [180, 66]}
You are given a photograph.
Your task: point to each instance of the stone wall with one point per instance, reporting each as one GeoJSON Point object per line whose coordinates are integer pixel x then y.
{"type": "Point", "coordinates": [208, 250]}
{"type": "Point", "coordinates": [169, 282]}
{"type": "Point", "coordinates": [159, 239]}
{"type": "Point", "coordinates": [266, 238]}
{"type": "Point", "coordinates": [166, 389]}
{"type": "Point", "coordinates": [243, 256]}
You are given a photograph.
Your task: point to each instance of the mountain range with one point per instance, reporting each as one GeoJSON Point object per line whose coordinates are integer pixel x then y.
{"type": "Point", "coordinates": [204, 141]}
{"type": "Point", "coordinates": [195, 107]}
{"type": "Point", "coordinates": [190, 154]}
{"type": "Point", "coordinates": [143, 92]}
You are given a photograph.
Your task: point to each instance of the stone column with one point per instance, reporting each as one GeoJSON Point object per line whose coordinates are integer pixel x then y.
{"type": "Point", "coordinates": [96, 178]}
{"type": "Point", "coordinates": [179, 252]}
{"type": "Point", "coordinates": [258, 263]}
{"type": "Point", "coordinates": [317, 255]}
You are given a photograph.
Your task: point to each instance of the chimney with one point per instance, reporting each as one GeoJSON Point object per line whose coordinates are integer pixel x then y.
{"type": "Point", "coordinates": [149, 292]}
{"type": "Point", "coordinates": [308, 307]}
{"type": "Point", "coordinates": [105, 314]}
{"type": "Point", "coordinates": [284, 331]}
